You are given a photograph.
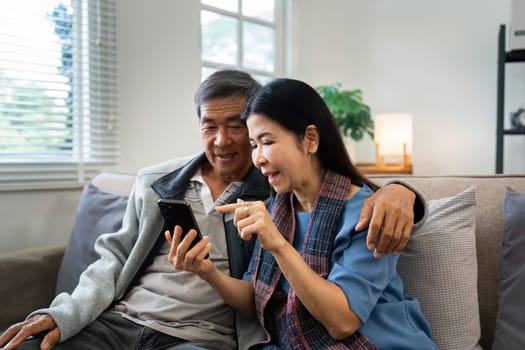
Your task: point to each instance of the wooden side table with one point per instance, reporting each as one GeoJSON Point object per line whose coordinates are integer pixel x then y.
{"type": "Point", "coordinates": [372, 168]}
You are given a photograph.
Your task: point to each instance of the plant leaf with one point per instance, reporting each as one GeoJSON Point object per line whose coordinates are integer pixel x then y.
{"type": "Point", "coordinates": [351, 114]}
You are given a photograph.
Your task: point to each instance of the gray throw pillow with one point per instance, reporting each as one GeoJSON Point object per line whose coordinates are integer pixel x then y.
{"type": "Point", "coordinates": [510, 320]}
{"type": "Point", "coordinates": [98, 212]}
{"type": "Point", "coordinates": [439, 267]}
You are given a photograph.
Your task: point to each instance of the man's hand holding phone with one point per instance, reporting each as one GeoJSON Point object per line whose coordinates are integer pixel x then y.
{"type": "Point", "coordinates": [189, 250]}
{"type": "Point", "coordinates": [185, 256]}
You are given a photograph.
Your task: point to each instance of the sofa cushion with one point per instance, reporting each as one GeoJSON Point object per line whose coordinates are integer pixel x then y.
{"type": "Point", "coordinates": [439, 267]}
{"type": "Point", "coordinates": [98, 212]}
{"type": "Point", "coordinates": [510, 320]}
{"type": "Point", "coordinates": [28, 281]}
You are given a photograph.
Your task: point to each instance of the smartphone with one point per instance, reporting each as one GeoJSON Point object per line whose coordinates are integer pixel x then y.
{"type": "Point", "coordinates": [179, 212]}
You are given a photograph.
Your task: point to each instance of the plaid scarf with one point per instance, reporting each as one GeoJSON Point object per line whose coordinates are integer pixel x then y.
{"type": "Point", "coordinates": [284, 316]}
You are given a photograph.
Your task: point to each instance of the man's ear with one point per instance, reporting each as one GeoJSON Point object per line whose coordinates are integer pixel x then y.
{"type": "Point", "coordinates": [311, 138]}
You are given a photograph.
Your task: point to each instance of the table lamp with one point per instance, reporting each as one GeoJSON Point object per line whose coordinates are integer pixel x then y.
{"type": "Point", "coordinates": [393, 139]}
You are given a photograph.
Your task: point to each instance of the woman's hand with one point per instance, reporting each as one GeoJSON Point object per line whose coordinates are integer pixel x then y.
{"type": "Point", "coordinates": [253, 218]}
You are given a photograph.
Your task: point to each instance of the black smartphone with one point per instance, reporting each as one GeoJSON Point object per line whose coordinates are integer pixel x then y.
{"type": "Point", "coordinates": [179, 212]}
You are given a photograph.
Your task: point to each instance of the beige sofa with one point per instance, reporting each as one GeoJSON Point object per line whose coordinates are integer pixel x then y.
{"type": "Point", "coordinates": [29, 277]}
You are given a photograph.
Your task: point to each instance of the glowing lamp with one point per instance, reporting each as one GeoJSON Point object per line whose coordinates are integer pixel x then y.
{"type": "Point", "coordinates": [393, 139]}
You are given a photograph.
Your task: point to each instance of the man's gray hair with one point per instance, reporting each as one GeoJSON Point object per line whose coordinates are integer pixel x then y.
{"type": "Point", "coordinates": [225, 83]}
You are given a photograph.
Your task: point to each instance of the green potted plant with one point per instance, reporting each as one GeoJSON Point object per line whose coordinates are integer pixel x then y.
{"type": "Point", "coordinates": [351, 114]}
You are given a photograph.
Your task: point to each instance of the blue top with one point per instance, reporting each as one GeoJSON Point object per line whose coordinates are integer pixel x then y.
{"type": "Point", "coordinates": [391, 319]}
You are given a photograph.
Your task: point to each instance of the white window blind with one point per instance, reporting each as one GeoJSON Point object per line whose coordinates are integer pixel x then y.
{"type": "Point", "coordinates": [58, 92]}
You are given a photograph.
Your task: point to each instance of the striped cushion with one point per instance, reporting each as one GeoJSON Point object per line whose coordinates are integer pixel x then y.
{"type": "Point", "coordinates": [439, 267]}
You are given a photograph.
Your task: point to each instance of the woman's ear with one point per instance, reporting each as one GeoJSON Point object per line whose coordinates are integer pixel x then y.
{"type": "Point", "coordinates": [311, 138]}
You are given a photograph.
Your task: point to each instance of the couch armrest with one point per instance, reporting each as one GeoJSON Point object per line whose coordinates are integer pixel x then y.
{"type": "Point", "coordinates": [28, 281]}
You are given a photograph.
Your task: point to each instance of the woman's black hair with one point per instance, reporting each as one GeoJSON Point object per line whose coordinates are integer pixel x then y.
{"type": "Point", "coordinates": [295, 105]}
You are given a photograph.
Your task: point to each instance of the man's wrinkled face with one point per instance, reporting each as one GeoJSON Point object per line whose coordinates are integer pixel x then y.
{"type": "Point", "coordinates": [225, 137]}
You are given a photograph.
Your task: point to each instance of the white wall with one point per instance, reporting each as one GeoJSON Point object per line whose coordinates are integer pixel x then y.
{"type": "Point", "coordinates": [36, 218]}
{"type": "Point", "coordinates": [159, 69]}
{"type": "Point", "coordinates": [436, 60]}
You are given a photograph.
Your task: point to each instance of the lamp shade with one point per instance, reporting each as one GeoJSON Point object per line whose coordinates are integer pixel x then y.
{"type": "Point", "coordinates": [391, 132]}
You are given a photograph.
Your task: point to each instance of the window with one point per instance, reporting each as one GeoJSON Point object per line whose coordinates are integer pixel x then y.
{"type": "Point", "coordinates": [244, 34]}
{"type": "Point", "coordinates": [58, 93]}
